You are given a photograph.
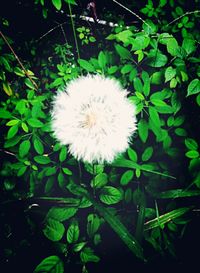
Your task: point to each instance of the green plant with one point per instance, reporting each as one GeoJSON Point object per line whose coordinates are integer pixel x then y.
{"type": "Point", "coordinates": [85, 35]}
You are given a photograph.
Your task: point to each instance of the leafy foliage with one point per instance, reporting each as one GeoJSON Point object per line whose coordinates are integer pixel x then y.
{"type": "Point", "coordinates": [161, 71]}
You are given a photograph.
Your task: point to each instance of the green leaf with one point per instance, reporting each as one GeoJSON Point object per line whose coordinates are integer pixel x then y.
{"type": "Point", "coordinates": [179, 121]}
{"type": "Point", "coordinates": [102, 60]}
{"type": "Point", "coordinates": [21, 106]}
{"type": "Point", "coordinates": [181, 132]}
{"type": "Point", "coordinates": [147, 153]}
{"type": "Point", "coordinates": [154, 116]}
{"type": "Point", "coordinates": [173, 83]}
{"type": "Point", "coordinates": [123, 52]}
{"type": "Point", "coordinates": [170, 73]}
{"type": "Point", "coordinates": [124, 35]}
{"type": "Point", "coordinates": [54, 230]}
{"type": "Point", "coordinates": [87, 255]}
{"type": "Point", "coordinates": [21, 171]}
{"type": "Point", "coordinates": [157, 77]}
{"type": "Point", "coordinates": [86, 65]}
{"type": "Point", "coordinates": [156, 58]}
{"type": "Point", "coordinates": [172, 47]}
{"type": "Point", "coordinates": [92, 39]}
{"type": "Point", "coordinates": [158, 102]}
{"type": "Point", "coordinates": [126, 69]}
{"type": "Point", "coordinates": [5, 62]}
{"type": "Point", "coordinates": [85, 203]}
{"type": "Point", "coordinates": [140, 96]}
{"type": "Point", "coordinates": [51, 264]}
{"type": "Point", "coordinates": [73, 232]}
{"type": "Point", "coordinates": [50, 171]}
{"type": "Point", "coordinates": [67, 171]}
{"type": "Point", "coordinates": [63, 154]}
{"type": "Point", "coordinates": [164, 109]}
{"type": "Point", "coordinates": [12, 142]}
{"type": "Point", "coordinates": [73, 2]}
{"type": "Point", "coordinates": [4, 114]}
{"type": "Point", "coordinates": [126, 177]}
{"type": "Point", "coordinates": [191, 144]}
{"type": "Point", "coordinates": [79, 246]}
{"type": "Point", "coordinates": [38, 146]}
{"type": "Point", "coordinates": [35, 123]}
{"type": "Point", "coordinates": [24, 148]}
{"type": "Point", "coordinates": [12, 131]}
{"type": "Point", "coordinates": [124, 163]}
{"type": "Point", "coordinates": [93, 223]}
{"type": "Point", "coordinates": [7, 89]}
{"type": "Point", "coordinates": [138, 85]}
{"type": "Point", "coordinates": [19, 72]}
{"type": "Point", "coordinates": [143, 130]}
{"type": "Point", "coordinates": [140, 42]}
{"type": "Point", "coordinates": [29, 83]}
{"type": "Point", "coordinates": [12, 122]}
{"type": "Point", "coordinates": [192, 154]}
{"type": "Point", "coordinates": [165, 218]}
{"type": "Point", "coordinates": [100, 180]}
{"type": "Point", "coordinates": [132, 155]}
{"type": "Point", "coordinates": [41, 159]}
{"type": "Point", "coordinates": [24, 127]}
{"type": "Point", "coordinates": [110, 195]}
{"type": "Point", "coordinates": [189, 45]}
{"type": "Point", "coordinates": [193, 87]}
{"type": "Point", "coordinates": [61, 180]}
{"type": "Point", "coordinates": [57, 4]}
{"type": "Point", "coordinates": [146, 80]}
{"type": "Point", "coordinates": [112, 69]}
{"type": "Point", "coordinates": [61, 214]}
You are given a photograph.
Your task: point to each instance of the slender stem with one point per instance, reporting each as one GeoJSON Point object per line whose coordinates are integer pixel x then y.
{"type": "Point", "coordinates": [18, 60]}
{"type": "Point", "coordinates": [74, 31]}
{"type": "Point", "coordinates": [132, 13]}
{"type": "Point", "coordinates": [80, 172]}
{"type": "Point", "coordinates": [7, 152]}
{"type": "Point", "coordinates": [141, 217]}
{"type": "Point", "coordinates": [187, 13]}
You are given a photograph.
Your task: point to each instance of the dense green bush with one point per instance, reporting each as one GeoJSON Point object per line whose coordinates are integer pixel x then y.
{"type": "Point", "coordinates": [140, 194]}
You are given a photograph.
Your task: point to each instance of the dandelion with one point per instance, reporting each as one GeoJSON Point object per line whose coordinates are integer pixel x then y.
{"type": "Point", "coordinates": [95, 118]}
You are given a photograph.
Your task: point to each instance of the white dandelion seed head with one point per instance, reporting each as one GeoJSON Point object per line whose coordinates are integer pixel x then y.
{"type": "Point", "coordinates": [94, 117]}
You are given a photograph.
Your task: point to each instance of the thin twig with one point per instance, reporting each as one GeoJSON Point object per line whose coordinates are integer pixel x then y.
{"type": "Point", "coordinates": [187, 13]}
{"type": "Point", "coordinates": [18, 60]}
{"type": "Point", "coordinates": [52, 29]}
{"type": "Point", "coordinates": [132, 12]}
{"type": "Point", "coordinates": [7, 152]}
{"type": "Point", "coordinates": [84, 18]}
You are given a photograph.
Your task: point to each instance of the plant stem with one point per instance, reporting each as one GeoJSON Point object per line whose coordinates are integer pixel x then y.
{"type": "Point", "coordinates": [74, 31]}
{"type": "Point", "coordinates": [132, 13]}
{"type": "Point", "coordinates": [141, 218]}
{"type": "Point", "coordinates": [18, 60]}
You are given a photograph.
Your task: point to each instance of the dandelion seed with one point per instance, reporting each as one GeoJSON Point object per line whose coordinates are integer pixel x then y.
{"type": "Point", "coordinates": [94, 117]}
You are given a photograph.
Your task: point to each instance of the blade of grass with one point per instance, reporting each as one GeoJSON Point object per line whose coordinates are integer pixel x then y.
{"type": "Point", "coordinates": [114, 223]}
{"type": "Point", "coordinates": [165, 218]}
{"type": "Point", "coordinates": [125, 163]}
